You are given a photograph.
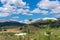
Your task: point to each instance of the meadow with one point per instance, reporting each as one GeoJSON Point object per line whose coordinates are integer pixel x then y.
{"type": "Point", "coordinates": [41, 34]}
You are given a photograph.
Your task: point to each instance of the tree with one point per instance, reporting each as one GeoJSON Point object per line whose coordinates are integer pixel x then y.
{"type": "Point", "coordinates": [30, 19]}
{"type": "Point", "coordinates": [29, 24]}
{"type": "Point", "coordinates": [50, 21]}
{"type": "Point", "coordinates": [25, 28]}
{"type": "Point", "coordinates": [29, 28]}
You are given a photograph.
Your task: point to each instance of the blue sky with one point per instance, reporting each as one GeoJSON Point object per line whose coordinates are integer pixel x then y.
{"type": "Point", "coordinates": [22, 10]}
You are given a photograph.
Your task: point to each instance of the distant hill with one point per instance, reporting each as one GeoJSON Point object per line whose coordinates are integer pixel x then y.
{"type": "Point", "coordinates": [44, 21]}
{"type": "Point", "coordinates": [8, 23]}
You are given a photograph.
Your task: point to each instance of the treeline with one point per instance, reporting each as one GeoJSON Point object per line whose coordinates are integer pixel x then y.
{"type": "Point", "coordinates": [2, 24]}
{"type": "Point", "coordinates": [47, 23]}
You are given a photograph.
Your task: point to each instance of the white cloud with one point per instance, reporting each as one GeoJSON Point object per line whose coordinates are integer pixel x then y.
{"type": "Point", "coordinates": [26, 21]}
{"type": "Point", "coordinates": [36, 10]}
{"type": "Point", "coordinates": [36, 19]}
{"type": "Point", "coordinates": [23, 11]}
{"type": "Point", "coordinates": [15, 17]}
{"type": "Point", "coordinates": [57, 15]}
{"type": "Point", "coordinates": [56, 10]}
{"type": "Point", "coordinates": [21, 21]}
{"type": "Point", "coordinates": [44, 12]}
{"type": "Point", "coordinates": [19, 3]}
{"type": "Point", "coordinates": [46, 4]}
{"type": "Point", "coordinates": [4, 14]}
{"type": "Point", "coordinates": [54, 6]}
{"type": "Point", "coordinates": [14, 20]}
{"type": "Point", "coordinates": [27, 14]}
{"type": "Point", "coordinates": [14, 7]}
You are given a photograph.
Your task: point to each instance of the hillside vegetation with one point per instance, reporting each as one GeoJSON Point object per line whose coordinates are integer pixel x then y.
{"type": "Point", "coordinates": [38, 30]}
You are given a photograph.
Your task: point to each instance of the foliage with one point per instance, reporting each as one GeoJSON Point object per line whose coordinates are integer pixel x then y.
{"type": "Point", "coordinates": [30, 19]}
{"type": "Point", "coordinates": [36, 35]}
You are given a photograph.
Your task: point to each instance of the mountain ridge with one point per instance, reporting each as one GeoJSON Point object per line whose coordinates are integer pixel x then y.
{"type": "Point", "coordinates": [16, 23]}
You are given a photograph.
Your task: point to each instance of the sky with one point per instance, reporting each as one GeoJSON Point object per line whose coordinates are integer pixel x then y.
{"type": "Point", "coordinates": [22, 10]}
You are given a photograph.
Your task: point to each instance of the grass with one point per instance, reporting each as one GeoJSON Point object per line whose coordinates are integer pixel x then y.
{"type": "Point", "coordinates": [35, 35]}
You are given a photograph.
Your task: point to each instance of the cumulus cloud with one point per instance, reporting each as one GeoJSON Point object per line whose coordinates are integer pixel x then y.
{"type": "Point", "coordinates": [4, 14]}
{"type": "Point", "coordinates": [26, 21]}
{"type": "Point", "coordinates": [57, 15]}
{"type": "Point", "coordinates": [13, 7]}
{"type": "Point", "coordinates": [21, 21]}
{"type": "Point", "coordinates": [15, 17]}
{"type": "Point", "coordinates": [24, 11]}
{"type": "Point", "coordinates": [46, 4]}
{"type": "Point", "coordinates": [56, 10]}
{"type": "Point", "coordinates": [54, 6]}
{"type": "Point", "coordinates": [27, 14]}
{"type": "Point", "coordinates": [19, 3]}
{"type": "Point", "coordinates": [37, 10]}
{"type": "Point", "coordinates": [44, 12]}
{"type": "Point", "coordinates": [14, 20]}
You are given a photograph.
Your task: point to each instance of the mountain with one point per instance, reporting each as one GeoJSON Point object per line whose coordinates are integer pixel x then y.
{"type": "Point", "coordinates": [43, 20]}
{"type": "Point", "coordinates": [9, 23]}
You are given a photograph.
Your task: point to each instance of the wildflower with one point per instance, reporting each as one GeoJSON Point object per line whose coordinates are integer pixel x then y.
{"type": "Point", "coordinates": [20, 34]}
